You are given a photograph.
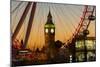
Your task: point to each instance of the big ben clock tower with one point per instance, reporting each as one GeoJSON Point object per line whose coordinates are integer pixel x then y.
{"type": "Point", "coordinates": [49, 30]}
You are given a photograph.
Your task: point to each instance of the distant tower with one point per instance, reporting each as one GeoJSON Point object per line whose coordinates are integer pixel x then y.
{"type": "Point", "coordinates": [49, 30]}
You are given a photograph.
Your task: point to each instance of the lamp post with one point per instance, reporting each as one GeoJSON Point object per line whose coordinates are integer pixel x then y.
{"type": "Point", "coordinates": [85, 33]}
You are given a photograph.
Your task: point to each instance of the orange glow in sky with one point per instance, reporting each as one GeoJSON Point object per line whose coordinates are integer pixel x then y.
{"type": "Point", "coordinates": [65, 17]}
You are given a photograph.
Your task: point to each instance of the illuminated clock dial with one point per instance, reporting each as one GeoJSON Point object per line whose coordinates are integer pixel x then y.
{"type": "Point", "coordinates": [52, 30]}
{"type": "Point", "coordinates": [46, 30]}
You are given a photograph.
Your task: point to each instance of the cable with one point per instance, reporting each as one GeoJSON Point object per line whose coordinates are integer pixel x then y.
{"type": "Point", "coordinates": [58, 17]}
{"type": "Point", "coordinates": [16, 7]}
{"type": "Point", "coordinates": [64, 15]}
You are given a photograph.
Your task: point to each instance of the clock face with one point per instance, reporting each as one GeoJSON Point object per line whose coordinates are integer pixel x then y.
{"type": "Point", "coordinates": [46, 30]}
{"type": "Point", "coordinates": [52, 30]}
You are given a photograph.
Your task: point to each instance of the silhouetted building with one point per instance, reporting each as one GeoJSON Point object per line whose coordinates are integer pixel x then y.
{"type": "Point", "coordinates": [49, 30]}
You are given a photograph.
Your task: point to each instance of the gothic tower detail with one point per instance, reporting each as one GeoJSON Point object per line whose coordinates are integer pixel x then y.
{"type": "Point", "coordinates": [49, 30]}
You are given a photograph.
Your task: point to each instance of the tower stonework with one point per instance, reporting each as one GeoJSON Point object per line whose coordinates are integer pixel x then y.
{"type": "Point", "coordinates": [49, 30]}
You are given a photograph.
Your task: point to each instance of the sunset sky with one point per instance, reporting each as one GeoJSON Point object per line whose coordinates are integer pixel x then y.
{"type": "Point", "coordinates": [65, 17]}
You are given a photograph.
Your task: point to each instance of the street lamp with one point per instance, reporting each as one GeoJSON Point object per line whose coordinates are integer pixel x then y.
{"type": "Point", "coordinates": [85, 33]}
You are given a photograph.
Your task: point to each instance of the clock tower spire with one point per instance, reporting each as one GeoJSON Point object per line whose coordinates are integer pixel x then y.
{"type": "Point", "coordinates": [49, 30]}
